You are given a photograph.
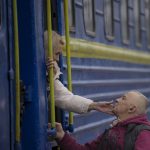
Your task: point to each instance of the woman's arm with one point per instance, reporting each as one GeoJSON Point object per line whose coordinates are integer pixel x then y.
{"type": "Point", "coordinates": [68, 101]}
{"type": "Point", "coordinates": [75, 103]}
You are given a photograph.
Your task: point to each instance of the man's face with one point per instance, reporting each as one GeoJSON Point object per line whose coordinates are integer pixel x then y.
{"type": "Point", "coordinates": [57, 54]}
{"type": "Point", "coordinates": [122, 104]}
{"type": "Point", "coordinates": [58, 50]}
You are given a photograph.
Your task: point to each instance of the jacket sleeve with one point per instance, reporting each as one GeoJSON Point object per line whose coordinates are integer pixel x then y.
{"type": "Point", "coordinates": [69, 143]}
{"type": "Point", "coordinates": [68, 101]}
{"type": "Point", "coordinates": [142, 142]}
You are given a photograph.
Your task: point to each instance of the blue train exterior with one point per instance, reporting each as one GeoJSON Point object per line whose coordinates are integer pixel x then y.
{"type": "Point", "coordinates": [110, 55]}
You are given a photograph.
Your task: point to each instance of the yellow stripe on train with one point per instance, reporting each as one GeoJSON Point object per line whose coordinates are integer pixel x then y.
{"type": "Point", "coordinates": [87, 49]}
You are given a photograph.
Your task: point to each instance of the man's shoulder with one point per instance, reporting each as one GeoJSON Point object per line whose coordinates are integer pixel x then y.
{"type": "Point", "coordinates": [142, 140]}
{"type": "Point", "coordinates": [135, 134]}
{"type": "Point", "coordinates": [139, 131]}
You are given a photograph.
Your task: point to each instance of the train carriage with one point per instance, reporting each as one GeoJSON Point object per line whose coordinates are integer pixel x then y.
{"type": "Point", "coordinates": [109, 42]}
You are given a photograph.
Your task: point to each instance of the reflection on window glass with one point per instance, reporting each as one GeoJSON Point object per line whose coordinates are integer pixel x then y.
{"type": "Point", "coordinates": [124, 21]}
{"type": "Point", "coordinates": [108, 18]}
{"type": "Point", "coordinates": [89, 16]}
{"type": "Point", "coordinates": [147, 18]}
{"type": "Point", "coordinates": [71, 14]}
{"type": "Point", "coordinates": [137, 22]}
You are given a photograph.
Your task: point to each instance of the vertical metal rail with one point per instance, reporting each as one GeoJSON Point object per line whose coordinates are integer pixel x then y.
{"type": "Point", "coordinates": [68, 55]}
{"type": "Point", "coordinates": [17, 75]}
{"type": "Point", "coordinates": [63, 118]}
{"type": "Point", "coordinates": [50, 55]}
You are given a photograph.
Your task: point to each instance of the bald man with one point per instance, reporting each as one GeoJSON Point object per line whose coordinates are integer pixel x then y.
{"type": "Point", "coordinates": [63, 97]}
{"type": "Point", "coordinates": [130, 105]}
{"type": "Point", "coordinates": [130, 131]}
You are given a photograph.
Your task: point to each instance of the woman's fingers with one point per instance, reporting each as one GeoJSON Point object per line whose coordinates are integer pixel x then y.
{"type": "Point", "coordinates": [49, 63]}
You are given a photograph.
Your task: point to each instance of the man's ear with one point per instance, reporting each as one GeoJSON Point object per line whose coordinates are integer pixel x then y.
{"type": "Point", "coordinates": [132, 108]}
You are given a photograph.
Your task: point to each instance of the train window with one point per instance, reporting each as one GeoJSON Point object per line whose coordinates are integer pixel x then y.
{"type": "Point", "coordinates": [147, 18]}
{"type": "Point", "coordinates": [108, 19]}
{"type": "Point", "coordinates": [71, 5]}
{"type": "Point", "coordinates": [137, 22]}
{"type": "Point", "coordinates": [54, 15]}
{"type": "Point", "coordinates": [124, 21]}
{"type": "Point", "coordinates": [89, 17]}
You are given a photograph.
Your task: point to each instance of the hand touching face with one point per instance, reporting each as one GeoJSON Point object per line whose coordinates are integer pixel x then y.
{"type": "Point", "coordinates": [106, 107]}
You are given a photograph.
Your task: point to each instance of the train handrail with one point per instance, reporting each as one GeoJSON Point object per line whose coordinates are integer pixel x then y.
{"type": "Point", "coordinates": [68, 58]}
{"type": "Point", "coordinates": [17, 75]}
{"type": "Point", "coordinates": [50, 75]}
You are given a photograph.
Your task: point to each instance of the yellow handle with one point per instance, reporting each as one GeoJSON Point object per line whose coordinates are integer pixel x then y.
{"type": "Point", "coordinates": [68, 53]}
{"type": "Point", "coordinates": [50, 55]}
{"type": "Point", "coordinates": [17, 70]}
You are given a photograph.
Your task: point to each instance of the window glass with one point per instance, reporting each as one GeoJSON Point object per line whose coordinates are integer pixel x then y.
{"type": "Point", "coordinates": [71, 8]}
{"type": "Point", "coordinates": [147, 18]}
{"type": "Point", "coordinates": [108, 19]}
{"type": "Point", "coordinates": [54, 15]}
{"type": "Point", "coordinates": [137, 22]}
{"type": "Point", "coordinates": [124, 21]}
{"type": "Point", "coordinates": [89, 16]}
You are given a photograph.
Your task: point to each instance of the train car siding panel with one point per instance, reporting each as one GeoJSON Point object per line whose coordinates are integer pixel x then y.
{"type": "Point", "coordinates": [102, 75]}
{"type": "Point", "coordinates": [104, 65]}
{"type": "Point", "coordinates": [100, 80]}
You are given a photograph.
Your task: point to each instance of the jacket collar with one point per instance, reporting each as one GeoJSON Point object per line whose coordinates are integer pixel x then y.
{"type": "Point", "coordinates": [141, 119]}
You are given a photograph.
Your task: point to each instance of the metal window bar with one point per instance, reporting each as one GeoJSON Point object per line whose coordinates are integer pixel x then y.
{"type": "Point", "coordinates": [17, 76]}
{"type": "Point", "coordinates": [50, 75]}
{"type": "Point", "coordinates": [68, 56]}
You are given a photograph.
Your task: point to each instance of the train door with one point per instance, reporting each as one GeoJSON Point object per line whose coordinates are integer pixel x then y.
{"type": "Point", "coordinates": [4, 80]}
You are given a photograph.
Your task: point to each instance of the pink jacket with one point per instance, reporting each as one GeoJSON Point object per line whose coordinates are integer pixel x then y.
{"type": "Point", "coordinates": [142, 142]}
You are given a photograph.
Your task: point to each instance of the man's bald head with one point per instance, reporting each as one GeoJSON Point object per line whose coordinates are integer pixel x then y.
{"type": "Point", "coordinates": [140, 101]}
{"type": "Point", "coordinates": [131, 104]}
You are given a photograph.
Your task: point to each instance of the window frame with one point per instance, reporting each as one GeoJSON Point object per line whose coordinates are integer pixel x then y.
{"type": "Point", "coordinates": [106, 25]}
{"type": "Point", "coordinates": [125, 24]}
{"type": "Point", "coordinates": [73, 16]}
{"type": "Point", "coordinates": [147, 21]}
{"type": "Point", "coordinates": [137, 23]}
{"type": "Point", "coordinates": [88, 32]}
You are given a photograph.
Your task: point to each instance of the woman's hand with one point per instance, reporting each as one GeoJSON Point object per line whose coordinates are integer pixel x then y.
{"type": "Point", "coordinates": [50, 64]}
{"type": "Point", "coordinates": [106, 107]}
